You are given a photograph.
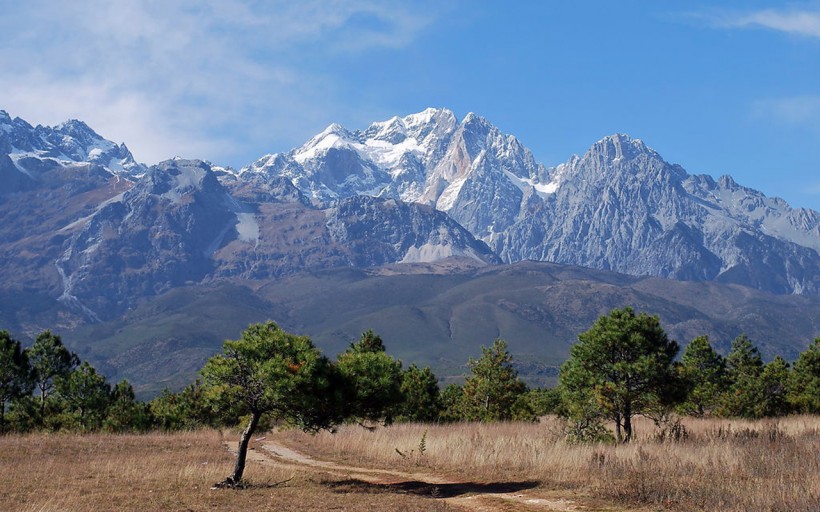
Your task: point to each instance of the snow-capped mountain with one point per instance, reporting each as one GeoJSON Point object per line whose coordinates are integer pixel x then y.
{"type": "Point", "coordinates": [396, 227]}
{"type": "Point", "coordinates": [87, 226]}
{"type": "Point", "coordinates": [425, 158]}
{"type": "Point", "coordinates": [26, 152]}
{"type": "Point", "coordinates": [618, 207]}
{"type": "Point", "coordinates": [622, 207]}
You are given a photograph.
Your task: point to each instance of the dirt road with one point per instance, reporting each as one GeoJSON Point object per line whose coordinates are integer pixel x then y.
{"type": "Point", "coordinates": [463, 495]}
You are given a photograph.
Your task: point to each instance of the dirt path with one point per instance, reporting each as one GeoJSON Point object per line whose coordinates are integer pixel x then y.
{"type": "Point", "coordinates": [470, 496]}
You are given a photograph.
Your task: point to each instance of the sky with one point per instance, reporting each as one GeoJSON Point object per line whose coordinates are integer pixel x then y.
{"type": "Point", "coordinates": [718, 87]}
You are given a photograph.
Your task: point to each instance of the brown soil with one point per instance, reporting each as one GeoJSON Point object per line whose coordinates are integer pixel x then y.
{"type": "Point", "coordinates": [464, 495]}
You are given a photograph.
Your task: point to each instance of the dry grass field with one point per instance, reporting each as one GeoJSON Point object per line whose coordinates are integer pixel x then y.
{"type": "Point", "coordinates": [156, 472]}
{"type": "Point", "coordinates": [725, 465]}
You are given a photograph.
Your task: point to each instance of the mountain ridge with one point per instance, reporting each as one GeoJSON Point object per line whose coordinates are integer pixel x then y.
{"type": "Point", "coordinates": [619, 206]}
{"type": "Point", "coordinates": [420, 227]}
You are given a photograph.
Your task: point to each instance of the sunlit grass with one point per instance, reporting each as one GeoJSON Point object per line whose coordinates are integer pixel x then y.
{"type": "Point", "coordinates": [164, 472]}
{"type": "Point", "coordinates": [721, 465]}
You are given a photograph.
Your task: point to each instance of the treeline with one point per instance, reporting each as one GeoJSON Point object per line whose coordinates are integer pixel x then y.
{"type": "Point", "coordinates": [47, 387]}
{"type": "Point", "coordinates": [622, 366]}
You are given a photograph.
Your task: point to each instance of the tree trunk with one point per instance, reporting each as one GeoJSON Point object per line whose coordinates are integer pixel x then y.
{"type": "Point", "coordinates": [618, 436]}
{"type": "Point", "coordinates": [43, 405]}
{"type": "Point", "coordinates": [627, 424]}
{"type": "Point", "coordinates": [242, 452]}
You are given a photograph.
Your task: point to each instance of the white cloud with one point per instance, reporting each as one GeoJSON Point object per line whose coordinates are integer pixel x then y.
{"type": "Point", "coordinates": [804, 23]}
{"type": "Point", "coordinates": [196, 78]}
{"type": "Point", "coordinates": [792, 21]}
{"type": "Point", "coordinates": [802, 111]}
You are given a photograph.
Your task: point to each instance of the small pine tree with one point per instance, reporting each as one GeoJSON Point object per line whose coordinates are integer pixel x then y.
{"type": "Point", "coordinates": [15, 374]}
{"type": "Point", "coordinates": [451, 404]}
{"type": "Point", "coordinates": [704, 372]}
{"type": "Point", "coordinates": [50, 361]}
{"type": "Point", "coordinates": [86, 395]}
{"type": "Point", "coordinates": [774, 382]}
{"type": "Point", "coordinates": [622, 366]}
{"type": "Point", "coordinates": [804, 382]}
{"type": "Point", "coordinates": [420, 393]}
{"type": "Point", "coordinates": [493, 385]}
{"type": "Point", "coordinates": [744, 367]}
{"type": "Point", "coordinates": [269, 371]}
{"type": "Point", "coordinates": [374, 380]}
{"type": "Point", "coordinates": [125, 413]}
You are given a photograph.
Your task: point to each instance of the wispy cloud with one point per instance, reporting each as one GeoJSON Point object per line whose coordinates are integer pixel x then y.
{"type": "Point", "coordinates": [198, 78]}
{"type": "Point", "coordinates": [805, 22]}
{"type": "Point", "coordinates": [801, 111]}
{"type": "Point", "coordinates": [813, 189]}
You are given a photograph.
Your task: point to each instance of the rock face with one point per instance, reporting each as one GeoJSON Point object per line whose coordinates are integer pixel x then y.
{"type": "Point", "coordinates": [622, 207]}
{"type": "Point", "coordinates": [381, 231]}
{"type": "Point", "coordinates": [88, 226]}
{"type": "Point", "coordinates": [618, 207]}
{"type": "Point", "coordinates": [158, 235]}
{"type": "Point", "coordinates": [27, 152]}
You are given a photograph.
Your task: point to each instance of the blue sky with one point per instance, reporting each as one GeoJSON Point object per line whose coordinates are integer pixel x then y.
{"type": "Point", "coordinates": [718, 87]}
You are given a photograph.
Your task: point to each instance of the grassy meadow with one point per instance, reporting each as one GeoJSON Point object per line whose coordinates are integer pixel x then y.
{"type": "Point", "coordinates": [726, 465]}
{"type": "Point", "coordinates": [159, 472]}
{"type": "Point", "coordinates": [721, 465]}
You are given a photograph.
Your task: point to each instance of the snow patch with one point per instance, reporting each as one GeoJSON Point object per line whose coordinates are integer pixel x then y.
{"type": "Point", "coordinates": [247, 227]}
{"type": "Point", "coordinates": [542, 189]}
{"type": "Point", "coordinates": [448, 197]}
{"type": "Point", "coordinates": [68, 284]}
{"type": "Point", "coordinates": [84, 220]}
{"type": "Point", "coordinates": [434, 252]}
{"type": "Point", "coordinates": [17, 156]}
{"type": "Point", "coordinates": [188, 178]}
{"type": "Point", "coordinates": [387, 155]}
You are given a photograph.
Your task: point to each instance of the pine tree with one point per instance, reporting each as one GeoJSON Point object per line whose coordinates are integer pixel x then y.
{"type": "Point", "coordinates": [50, 360]}
{"type": "Point", "coordinates": [704, 372]}
{"type": "Point", "coordinates": [493, 385]}
{"type": "Point", "coordinates": [420, 393]}
{"type": "Point", "coordinates": [87, 395]}
{"type": "Point", "coordinates": [804, 382]}
{"type": "Point", "coordinates": [744, 367]}
{"type": "Point", "coordinates": [269, 371]}
{"type": "Point", "coordinates": [622, 366]}
{"type": "Point", "coordinates": [15, 374]}
{"type": "Point", "coordinates": [373, 379]}
{"type": "Point", "coordinates": [774, 382]}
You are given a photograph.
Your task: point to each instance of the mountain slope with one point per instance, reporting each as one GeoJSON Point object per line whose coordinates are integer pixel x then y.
{"type": "Point", "coordinates": [27, 152]}
{"type": "Point", "coordinates": [398, 228]}
{"type": "Point", "coordinates": [618, 207]}
{"type": "Point", "coordinates": [436, 314]}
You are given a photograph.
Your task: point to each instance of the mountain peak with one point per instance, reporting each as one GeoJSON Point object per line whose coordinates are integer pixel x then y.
{"type": "Point", "coordinates": [76, 128]}
{"type": "Point", "coordinates": [419, 125]}
{"type": "Point", "coordinates": [620, 146]}
{"type": "Point", "coordinates": [428, 115]}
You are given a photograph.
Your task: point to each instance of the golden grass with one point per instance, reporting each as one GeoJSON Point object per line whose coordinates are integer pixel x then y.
{"type": "Point", "coordinates": [726, 465]}
{"type": "Point", "coordinates": [158, 472]}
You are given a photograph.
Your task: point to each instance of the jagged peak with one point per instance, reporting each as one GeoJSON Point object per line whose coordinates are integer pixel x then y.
{"type": "Point", "coordinates": [727, 181]}
{"type": "Point", "coordinates": [417, 125]}
{"type": "Point", "coordinates": [619, 146]}
{"type": "Point", "coordinates": [474, 122]}
{"type": "Point", "coordinates": [472, 117]}
{"type": "Point", "coordinates": [624, 139]}
{"type": "Point", "coordinates": [429, 115]}
{"type": "Point", "coordinates": [334, 128]}
{"type": "Point", "coordinates": [73, 124]}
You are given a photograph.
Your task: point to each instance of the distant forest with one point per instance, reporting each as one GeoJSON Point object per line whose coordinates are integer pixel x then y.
{"type": "Point", "coordinates": [623, 366]}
